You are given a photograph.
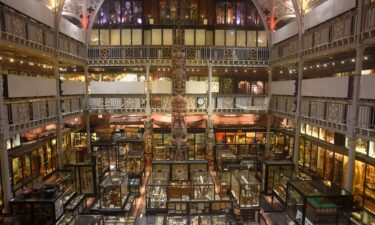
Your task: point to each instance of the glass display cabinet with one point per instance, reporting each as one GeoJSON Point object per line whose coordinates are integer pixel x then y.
{"type": "Point", "coordinates": [203, 187]}
{"type": "Point", "coordinates": [76, 206]}
{"type": "Point", "coordinates": [177, 220]}
{"type": "Point", "coordinates": [157, 192]}
{"type": "Point", "coordinates": [160, 153]}
{"type": "Point", "coordinates": [65, 182]}
{"type": "Point", "coordinates": [362, 217]}
{"type": "Point", "coordinates": [245, 189]}
{"type": "Point", "coordinates": [66, 220]}
{"type": "Point", "coordinates": [225, 181]}
{"type": "Point", "coordinates": [119, 220]}
{"type": "Point", "coordinates": [107, 155]}
{"type": "Point", "coordinates": [89, 220]}
{"type": "Point", "coordinates": [135, 164]}
{"type": "Point", "coordinates": [151, 220]}
{"type": "Point", "coordinates": [86, 177]}
{"type": "Point", "coordinates": [225, 158]}
{"type": "Point", "coordinates": [312, 203]}
{"type": "Point", "coordinates": [280, 183]}
{"type": "Point", "coordinates": [266, 172]}
{"type": "Point", "coordinates": [134, 186]}
{"type": "Point", "coordinates": [38, 209]}
{"type": "Point", "coordinates": [113, 193]}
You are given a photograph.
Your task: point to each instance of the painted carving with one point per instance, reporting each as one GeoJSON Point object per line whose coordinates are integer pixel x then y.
{"type": "Point", "coordinates": [179, 128]}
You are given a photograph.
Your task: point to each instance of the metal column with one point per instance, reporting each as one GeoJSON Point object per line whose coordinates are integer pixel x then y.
{"type": "Point", "coordinates": [87, 108]}
{"type": "Point", "coordinates": [269, 116]}
{"type": "Point", "coordinates": [148, 98]}
{"type": "Point", "coordinates": [297, 115]}
{"type": "Point", "coordinates": [4, 159]}
{"type": "Point", "coordinates": [353, 119]}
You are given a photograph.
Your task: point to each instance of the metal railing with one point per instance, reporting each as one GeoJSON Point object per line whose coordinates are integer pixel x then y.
{"type": "Point", "coordinates": [165, 52]}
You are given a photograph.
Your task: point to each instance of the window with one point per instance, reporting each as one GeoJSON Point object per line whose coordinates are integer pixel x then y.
{"type": "Point", "coordinates": [170, 10]}
{"type": "Point", "coordinates": [117, 12]}
{"type": "Point", "coordinates": [238, 12]}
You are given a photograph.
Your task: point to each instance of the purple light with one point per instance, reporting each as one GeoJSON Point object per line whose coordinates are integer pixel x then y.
{"type": "Point", "coordinates": [139, 21]}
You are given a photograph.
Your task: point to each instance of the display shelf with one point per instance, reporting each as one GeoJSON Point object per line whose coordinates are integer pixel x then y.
{"type": "Point", "coordinates": [157, 192]}
{"type": "Point", "coordinates": [266, 172]}
{"type": "Point", "coordinates": [311, 202]}
{"type": "Point", "coordinates": [65, 182]}
{"type": "Point", "coordinates": [113, 193]}
{"type": "Point", "coordinates": [76, 206]}
{"type": "Point", "coordinates": [135, 164]}
{"type": "Point", "coordinates": [38, 210]}
{"type": "Point", "coordinates": [203, 187]}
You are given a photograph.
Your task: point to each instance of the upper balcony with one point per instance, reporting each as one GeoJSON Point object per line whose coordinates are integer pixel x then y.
{"type": "Point", "coordinates": [196, 55]}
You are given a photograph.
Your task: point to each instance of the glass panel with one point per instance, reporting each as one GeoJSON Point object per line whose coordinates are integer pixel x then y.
{"type": "Point", "coordinates": [137, 37]}
{"type": "Point", "coordinates": [230, 138]}
{"type": "Point", "coordinates": [314, 157]}
{"type": "Point", "coordinates": [303, 128]}
{"type": "Point", "coordinates": [94, 37]}
{"type": "Point", "coordinates": [250, 137]}
{"type": "Point", "coordinates": [200, 37]}
{"type": "Point", "coordinates": [104, 37]}
{"type": "Point", "coordinates": [219, 37]}
{"type": "Point", "coordinates": [337, 169]}
{"type": "Point", "coordinates": [126, 36]}
{"type": "Point", "coordinates": [301, 152]}
{"type": "Point", "coordinates": [251, 38]}
{"type": "Point", "coordinates": [262, 39]}
{"type": "Point", "coordinates": [156, 37]}
{"type": "Point", "coordinates": [328, 165]}
{"type": "Point", "coordinates": [370, 189]}
{"type": "Point", "coordinates": [190, 139]}
{"type": "Point", "coordinates": [308, 129]}
{"type": "Point", "coordinates": [220, 18]}
{"type": "Point", "coordinates": [361, 146]}
{"type": "Point", "coordinates": [230, 38]}
{"type": "Point", "coordinates": [26, 166]}
{"type": "Point", "coordinates": [209, 39]}
{"type": "Point", "coordinates": [189, 36]}
{"type": "Point", "coordinates": [147, 37]}
{"type": "Point", "coordinates": [200, 146]}
{"type": "Point", "coordinates": [17, 170]}
{"type": "Point", "coordinates": [358, 182]}
{"type": "Point", "coordinates": [315, 132]}
{"type": "Point", "coordinates": [115, 37]}
{"type": "Point", "coordinates": [322, 134]}
{"type": "Point", "coordinates": [241, 38]}
{"type": "Point", "coordinates": [320, 167]}
{"type": "Point", "coordinates": [229, 13]}
{"type": "Point", "coordinates": [307, 153]}
{"type": "Point", "coordinates": [115, 8]}
{"type": "Point", "coordinates": [330, 137]}
{"type": "Point", "coordinates": [220, 137]}
{"type": "Point", "coordinates": [371, 152]}
{"type": "Point", "coordinates": [240, 138]}
{"type": "Point", "coordinates": [137, 12]}
{"type": "Point", "coordinates": [168, 37]}
{"type": "Point", "coordinates": [241, 13]}
{"type": "Point", "coordinates": [260, 137]}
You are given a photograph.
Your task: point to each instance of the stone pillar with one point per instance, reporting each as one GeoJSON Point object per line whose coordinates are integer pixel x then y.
{"type": "Point", "coordinates": [297, 115]}
{"type": "Point", "coordinates": [4, 159]}
{"type": "Point", "coordinates": [353, 119]}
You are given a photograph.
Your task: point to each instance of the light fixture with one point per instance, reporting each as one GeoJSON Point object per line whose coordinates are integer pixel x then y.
{"type": "Point", "coordinates": [226, 70]}
{"type": "Point", "coordinates": [198, 70]}
{"type": "Point", "coordinates": [366, 58]}
{"type": "Point", "coordinates": [245, 70]}
{"type": "Point", "coordinates": [304, 68]}
{"type": "Point", "coordinates": [342, 62]}
{"type": "Point", "coordinates": [325, 65]}
{"type": "Point", "coordinates": [333, 63]}
{"type": "Point", "coordinates": [311, 67]}
{"type": "Point", "coordinates": [318, 66]}
{"type": "Point", "coordinates": [21, 62]}
{"type": "Point", "coordinates": [281, 72]}
{"type": "Point", "coordinates": [11, 60]}
{"type": "Point", "coordinates": [235, 70]}
{"type": "Point", "coordinates": [353, 60]}
{"type": "Point", "coordinates": [1, 57]}
{"type": "Point", "coordinates": [31, 64]}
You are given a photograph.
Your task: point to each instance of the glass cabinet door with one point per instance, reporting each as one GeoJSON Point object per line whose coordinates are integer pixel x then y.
{"type": "Point", "coordinates": [369, 202]}
{"type": "Point", "coordinates": [200, 146]}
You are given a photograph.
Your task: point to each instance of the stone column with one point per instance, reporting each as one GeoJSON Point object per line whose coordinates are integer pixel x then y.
{"type": "Point", "coordinates": [353, 119]}
{"type": "Point", "coordinates": [4, 159]}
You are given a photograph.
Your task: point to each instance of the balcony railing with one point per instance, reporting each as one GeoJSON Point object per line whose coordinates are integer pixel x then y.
{"type": "Point", "coordinates": [23, 113]}
{"type": "Point", "coordinates": [165, 52]}
{"type": "Point", "coordinates": [163, 103]}
{"type": "Point", "coordinates": [23, 30]}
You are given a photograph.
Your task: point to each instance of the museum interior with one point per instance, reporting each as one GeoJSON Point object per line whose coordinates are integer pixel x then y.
{"type": "Point", "coordinates": [187, 112]}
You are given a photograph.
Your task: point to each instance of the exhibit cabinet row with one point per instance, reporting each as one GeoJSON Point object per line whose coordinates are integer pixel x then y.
{"type": "Point", "coordinates": [328, 162]}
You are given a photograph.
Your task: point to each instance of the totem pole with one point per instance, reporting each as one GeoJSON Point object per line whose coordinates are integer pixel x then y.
{"type": "Point", "coordinates": [147, 138]}
{"type": "Point", "coordinates": [210, 139]}
{"type": "Point", "coordinates": [179, 130]}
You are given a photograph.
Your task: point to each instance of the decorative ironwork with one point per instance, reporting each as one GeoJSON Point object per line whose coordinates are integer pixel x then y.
{"type": "Point", "coordinates": [252, 54]}
{"type": "Point", "coordinates": [104, 53]}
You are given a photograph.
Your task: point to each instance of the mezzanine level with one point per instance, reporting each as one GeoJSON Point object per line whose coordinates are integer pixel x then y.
{"type": "Point", "coordinates": [327, 113]}
{"type": "Point", "coordinates": [329, 37]}
{"type": "Point", "coordinates": [23, 32]}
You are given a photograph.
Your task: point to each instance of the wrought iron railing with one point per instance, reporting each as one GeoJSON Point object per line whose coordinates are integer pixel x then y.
{"type": "Point", "coordinates": [165, 52]}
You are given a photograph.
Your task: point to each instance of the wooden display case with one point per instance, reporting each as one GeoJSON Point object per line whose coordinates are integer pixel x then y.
{"type": "Point", "coordinates": [76, 206]}
{"type": "Point", "coordinates": [266, 172]}
{"type": "Point", "coordinates": [65, 182]}
{"type": "Point", "coordinates": [38, 210]}
{"type": "Point", "coordinates": [312, 203]}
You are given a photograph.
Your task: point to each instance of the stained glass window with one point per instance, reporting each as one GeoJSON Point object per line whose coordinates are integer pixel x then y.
{"type": "Point", "coordinates": [117, 12]}
{"type": "Point", "coordinates": [236, 13]}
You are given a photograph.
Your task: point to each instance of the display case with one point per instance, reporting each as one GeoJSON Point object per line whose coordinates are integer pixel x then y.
{"type": "Point", "coordinates": [157, 192]}
{"type": "Point", "coordinates": [66, 220]}
{"type": "Point", "coordinates": [245, 189]}
{"type": "Point", "coordinates": [10, 220]}
{"type": "Point", "coordinates": [225, 181]}
{"type": "Point", "coordinates": [135, 164]}
{"type": "Point", "coordinates": [107, 155]}
{"type": "Point", "coordinates": [151, 220]}
{"type": "Point", "coordinates": [86, 177]}
{"type": "Point", "coordinates": [76, 206]}
{"type": "Point", "coordinates": [134, 185]}
{"type": "Point", "coordinates": [120, 220]}
{"type": "Point", "coordinates": [280, 183]}
{"type": "Point", "coordinates": [267, 171]}
{"type": "Point", "coordinates": [65, 182]}
{"type": "Point", "coordinates": [38, 209]}
{"type": "Point", "coordinates": [76, 154]}
{"type": "Point", "coordinates": [89, 220]}
{"type": "Point", "coordinates": [113, 193]}
{"type": "Point", "coordinates": [203, 187]}
{"type": "Point", "coordinates": [312, 203]}
{"type": "Point", "coordinates": [362, 217]}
